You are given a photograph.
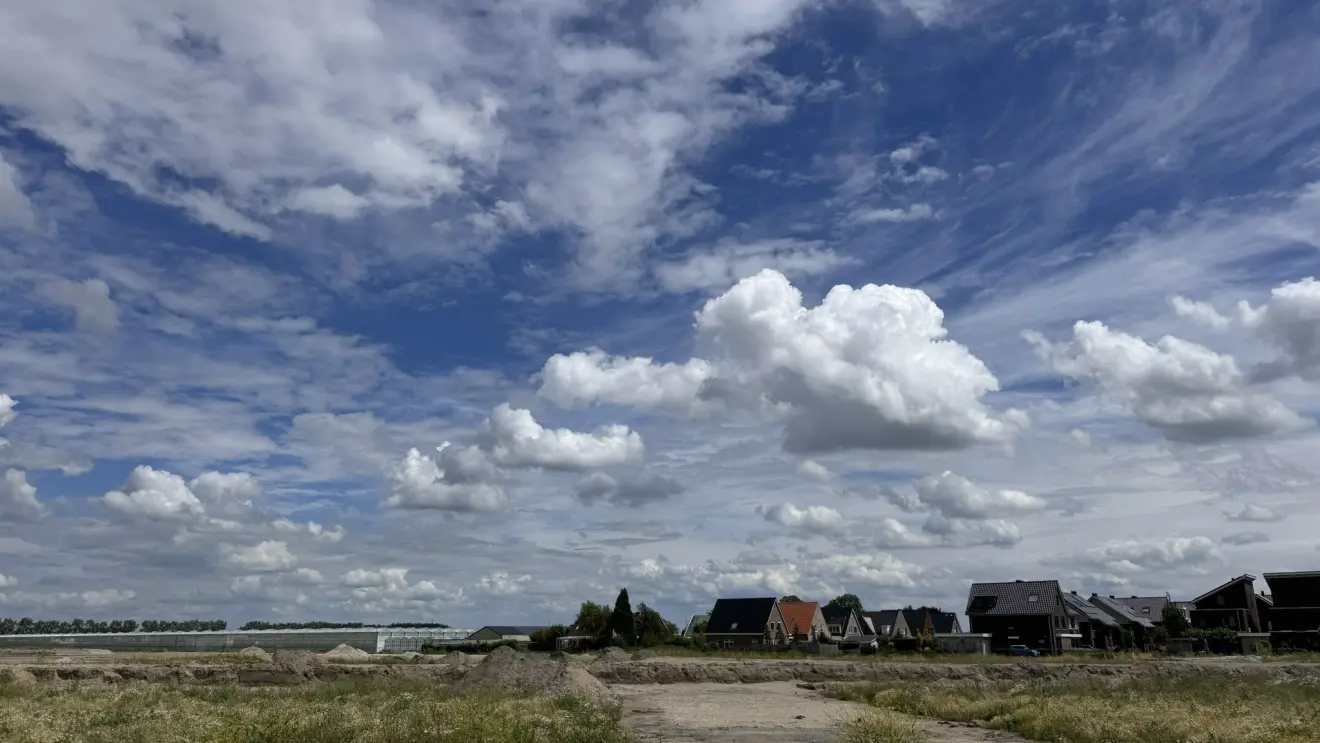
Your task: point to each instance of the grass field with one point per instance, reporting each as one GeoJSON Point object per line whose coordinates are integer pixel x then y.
{"type": "Point", "coordinates": [374, 712]}
{"type": "Point", "coordinates": [1202, 710]}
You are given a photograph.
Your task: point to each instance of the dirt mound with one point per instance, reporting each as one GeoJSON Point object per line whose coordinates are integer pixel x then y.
{"type": "Point", "coordinates": [348, 653]}
{"type": "Point", "coordinates": [255, 652]}
{"type": "Point", "coordinates": [613, 655]}
{"type": "Point", "coordinates": [413, 656]}
{"type": "Point", "coordinates": [522, 673]}
{"type": "Point", "coordinates": [17, 677]}
{"type": "Point", "coordinates": [457, 658]}
{"type": "Point", "coordinates": [643, 655]}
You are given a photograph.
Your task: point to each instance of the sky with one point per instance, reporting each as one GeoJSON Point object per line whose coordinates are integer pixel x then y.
{"type": "Point", "coordinates": [434, 310]}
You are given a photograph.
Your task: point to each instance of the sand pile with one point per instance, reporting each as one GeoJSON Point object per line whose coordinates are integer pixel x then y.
{"type": "Point", "coordinates": [506, 670]}
{"type": "Point", "coordinates": [17, 676]}
{"type": "Point", "coordinates": [412, 656]}
{"type": "Point", "coordinates": [256, 653]}
{"type": "Point", "coordinates": [643, 654]}
{"type": "Point", "coordinates": [457, 657]}
{"type": "Point", "coordinates": [613, 655]}
{"type": "Point", "coordinates": [342, 653]}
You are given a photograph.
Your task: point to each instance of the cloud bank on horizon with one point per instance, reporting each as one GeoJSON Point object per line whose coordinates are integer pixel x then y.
{"type": "Point", "coordinates": [392, 311]}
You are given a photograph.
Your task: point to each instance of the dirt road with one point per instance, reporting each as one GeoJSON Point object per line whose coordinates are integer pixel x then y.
{"type": "Point", "coordinates": [773, 712]}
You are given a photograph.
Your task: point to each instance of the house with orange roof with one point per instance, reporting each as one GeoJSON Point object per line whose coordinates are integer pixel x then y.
{"type": "Point", "coordinates": [803, 619]}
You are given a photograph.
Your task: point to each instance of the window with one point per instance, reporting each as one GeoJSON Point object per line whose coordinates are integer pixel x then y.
{"type": "Point", "coordinates": [1219, 599]}
{"type": "Point", "coordinates": [983, 603]}
{"type": "Point", "coordinates": [733, 626]}
{"type": "Point", "coordinates": [1145, 610]}
{"type": "Point", "coordinates": [1033, 598]}
{"type": "Point", "coordinates": [836, 629]}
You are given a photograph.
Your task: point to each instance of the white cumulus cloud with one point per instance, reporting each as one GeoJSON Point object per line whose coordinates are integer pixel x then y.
{"type": "Point", "coordinates": [868, 368]}
{"type": "Point", "coordinates": [516, 440]}
{"type": "Point", "coordinates": [1186, 391]}
{"type": "Point", "coordinates": [812, 520]}
{"type": "Point", "coordinates": [955, 496]}
{"type": "Point", "coordinates": [1253, 512]}
{"type": "Point", "coordinates": [813, 470]}
{"type": "Point", "coordinates": [268, 556]}
{"type": "Point", "coordinates": [18, 497]}
{"type": "Point", "coordinates": [419, 482]}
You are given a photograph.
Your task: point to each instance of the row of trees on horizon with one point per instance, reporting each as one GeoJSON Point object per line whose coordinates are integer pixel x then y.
{"type": "Point", "coordinates": [29, 626]}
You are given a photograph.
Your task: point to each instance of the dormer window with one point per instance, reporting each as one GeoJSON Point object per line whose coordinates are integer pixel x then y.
{"type": "Point", "coordinates": [1145, 610]}
{"type": "Point", "coordinates": [733, 625]}
{"type": "Point", "coordinates": [1033, 598]}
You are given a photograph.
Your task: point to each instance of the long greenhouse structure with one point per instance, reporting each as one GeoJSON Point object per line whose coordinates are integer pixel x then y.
{"type": "Point", "coordinates": [368, 639]}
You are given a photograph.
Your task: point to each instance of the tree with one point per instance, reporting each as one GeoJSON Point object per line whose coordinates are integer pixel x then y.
{"type": "Point", "coordinates": [544, 639]}
{"type": "Point", "coordinates": [845, 601]}
{"type": "Point", "coordinates": [790, 599]}
{"type": "Point", "coordinates": [1175, 622]}
{"type": "Point", "coordinates": [621, 621]}
{"type": "Point", "coordinates": [780, 638]}
{"type": "Point", "coordinates": [593, 619]}
{"type": "Point", "coordinates": [652, 629]}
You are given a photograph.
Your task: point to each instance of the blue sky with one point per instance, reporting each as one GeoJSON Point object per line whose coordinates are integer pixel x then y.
{"type": "Point", "coordinates": [397, 311]}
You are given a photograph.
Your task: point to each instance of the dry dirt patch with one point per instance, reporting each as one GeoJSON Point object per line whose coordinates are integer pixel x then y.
{"type": "Point", "coordinates": [772, 712]}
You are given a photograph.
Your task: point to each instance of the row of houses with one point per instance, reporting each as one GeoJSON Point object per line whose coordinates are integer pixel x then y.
{"type": "Point", "coordinates": [748, 623]}
{"type": "Point", "coordinates": [1040, 615]}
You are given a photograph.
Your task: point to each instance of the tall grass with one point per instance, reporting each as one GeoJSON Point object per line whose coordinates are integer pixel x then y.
{"type": "Point", "coordinates": [1193, 710]}
{"type": "Point", "coordinates": [354, 712]}
{"type": "Point", "coordinates": [880, 726]}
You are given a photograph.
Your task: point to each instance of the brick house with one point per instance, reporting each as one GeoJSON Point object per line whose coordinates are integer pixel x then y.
{"type": "Point", "coordinates": [804, 620]}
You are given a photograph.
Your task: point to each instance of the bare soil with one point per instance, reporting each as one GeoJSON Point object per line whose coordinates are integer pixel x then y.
{"type": "Point", "coordinates": [771, 712]}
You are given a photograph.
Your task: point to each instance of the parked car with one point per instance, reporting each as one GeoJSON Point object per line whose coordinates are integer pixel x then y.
{"type": "Point", "coordinates": [1022, 650]}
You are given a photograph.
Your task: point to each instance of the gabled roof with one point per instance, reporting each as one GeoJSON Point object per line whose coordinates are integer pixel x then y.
{"type": "Point", "coordinates": [740, 616]}
{"type": "Point", "coordinates": [1122, 613]}
{"type": "Point", "coordinates": [801, 613]}
{"type": "Point", "coordinates": [1244, 577]}
{"type": "Point", "coordinates": [1013, 598]}
{"type": "Point", "coordinates": [1086, 611]}
{"type": "Point", "coordinates": [944, 621]}
{"type": "Point", "coordinates": [1150, 607]}
{"type": "Point", "coordinates": [868, 627]}
{"type": "Point", "coordinates": [885, 618]}
{"type": "Point", "coordinates": [915, 619]}
{"type": "Point", "coordinates": [692, 623]}
{"type": "Point", "coordinates": [1266, 599]}
{"type": "Point", "coordinates": [507, 630]}
{"type": "Point", "coordinates": [838, 614]}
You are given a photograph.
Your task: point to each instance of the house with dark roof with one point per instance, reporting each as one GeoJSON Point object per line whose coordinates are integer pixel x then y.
{"type": "Point", "coordinates": [745, 623]}
{"type": "Point", "coordinates": [1232, 605]}
{"type": "Point", "coordinates": [1147, 607]}
{"type": "Point", "coordinates": [1030, 613]}
{"type": "Point", "coordinates": [504, 633]}
{"type": "Point", "coordinates": [918, 622]}
{"type": "Point", "coordinates": [845, 624]}
{"type": "Point", "coordinates": [1294, 614]}
{"type": "Point", "coordinates": [1098, 630]}
{"type": "Point", "coordinates": [887, 623]}
{"type": "Point", "coordinates": [804, 620]}
{"type": "Point", "coordinates": [945, 623]}
{"type": "Point", "coordinates": [1139, 627]}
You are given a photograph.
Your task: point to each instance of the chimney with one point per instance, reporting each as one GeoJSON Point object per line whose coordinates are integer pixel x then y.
{"type": "Point", "coordinates": [1019, 580]}
{"type": "Point", "coordinates": [1073, 593]}
{"type": "Point", "coordinates": [1111, 595]}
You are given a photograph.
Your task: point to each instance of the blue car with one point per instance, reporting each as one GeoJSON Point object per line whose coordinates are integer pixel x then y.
{"type": "Point", "coordinates": [1022, 650]}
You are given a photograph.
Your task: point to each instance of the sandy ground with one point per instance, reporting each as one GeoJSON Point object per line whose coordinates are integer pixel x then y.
{"type": "Point", "coordinates": [773, 712]}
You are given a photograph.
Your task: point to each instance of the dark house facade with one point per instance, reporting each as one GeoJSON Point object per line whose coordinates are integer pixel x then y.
{"type": "Point", "coordinates": [1128, 620]}
{"type": "Point", "coordinates": [1231, 605]}
{"type": "Point", "coordinates": [887, 623]}
{"type": "Point", "coordinates": [1030, 613]}
{"type": "Point", "coordinates": [1098, 630]}
{"type": "Point", "coordinates": [845, 624]}
{"type": "Point", "coordinates": [743, 623]}
{"type": "Point", "coordinates": [1294, 618]}
{"type": "Point", "coordinates": [945, 623]}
